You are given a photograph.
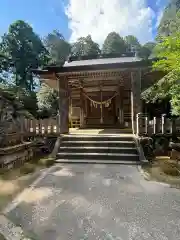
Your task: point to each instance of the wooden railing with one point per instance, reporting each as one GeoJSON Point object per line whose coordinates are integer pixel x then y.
{"type": "Point", "coordinates": [74, 123]}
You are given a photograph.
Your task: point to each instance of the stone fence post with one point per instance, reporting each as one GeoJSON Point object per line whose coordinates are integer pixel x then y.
{"type": "Point", "coordinates": [163, 123]}
{"type": "Point", "coordinates": [139, 124]}
{"type": "Point", "coordinates": [154, 125]}
{"type": "Point", "coordinates": [22, 122]}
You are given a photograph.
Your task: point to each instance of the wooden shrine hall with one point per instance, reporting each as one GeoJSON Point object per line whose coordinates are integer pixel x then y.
{"type": "Point", "coordinates": [103, 92]}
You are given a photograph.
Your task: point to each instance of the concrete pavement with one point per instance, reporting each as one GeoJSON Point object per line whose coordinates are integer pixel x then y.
{"type": "Point", "coordinates": [97, 201]}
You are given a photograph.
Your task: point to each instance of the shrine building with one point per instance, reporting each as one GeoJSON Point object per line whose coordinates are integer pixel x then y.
{"type": "Point", "coordinates": [102, 92]}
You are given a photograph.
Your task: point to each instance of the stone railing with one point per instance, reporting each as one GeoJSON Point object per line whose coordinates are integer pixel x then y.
{"type": "Point", "coordinates": [161, 125]}
{"type": "Point", "coordinates": [41, 127]}
{"type": "Point", "coordinates": [27, 128]}
{"type": "Point", "coordinates": [13, 156]}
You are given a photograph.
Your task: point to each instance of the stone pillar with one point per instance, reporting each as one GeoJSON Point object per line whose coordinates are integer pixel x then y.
{"type": "Point", "coordinates": [140, 121]}
{"type": "Point", "coordinates": [22, 121]}
{"type": "Point", "coordinates": [136, 104]}
{"type": "Point", "coordinates": [63, 105]}
{"type": "Point", "coordinates": [163, 123]}
{"type": "Point", "coordinates": [154, 125]}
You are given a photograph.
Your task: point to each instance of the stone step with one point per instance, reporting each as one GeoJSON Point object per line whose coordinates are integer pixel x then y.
{"type": "Point", "coordinates": [98, 156]}
{"type": "Point", "coordinates": [98, 143]}
{"type": "Point", "coordinates": [98, 149]}
{"type": "Point", "coordinates": [90, 161]}
{"type": "Point", "coordinates": [77, 137]}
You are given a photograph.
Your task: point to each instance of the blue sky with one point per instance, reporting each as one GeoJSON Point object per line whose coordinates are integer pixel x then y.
{"type": "Point", "coordinates": [75, 18]}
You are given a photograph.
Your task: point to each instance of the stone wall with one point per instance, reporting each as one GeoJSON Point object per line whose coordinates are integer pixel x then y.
{"type": "Point", "coordinates": [10, 123]}
{"type": "Point", "coordinates": [11, 157]}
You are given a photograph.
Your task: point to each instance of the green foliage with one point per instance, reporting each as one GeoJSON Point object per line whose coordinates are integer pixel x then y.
{"type": "Point", "coordinates": [132, 41]}
{"type": "Point", "coordinates": [24, 102]}
{"type": "Point", "coordinates": [168, 52]}
{"type": "Point", "coordinates": [25, 50]}
{"type": "Point", "coordinates": [58, 47]}
{"type": "Point", "coordinates": [168, 24]}
{"type": "Point", "coordinates": [114, 44]}
{"type": "Point", "coordinates": [175, 99]}
{"type": "Point", "coordinates": [47, 100]}
{"type": "Point", "coordinates": [146, 50]}
{"type": "Point", "coordinates": [85, 46]}
{"type": "Point", "coordinates": [4, 62]}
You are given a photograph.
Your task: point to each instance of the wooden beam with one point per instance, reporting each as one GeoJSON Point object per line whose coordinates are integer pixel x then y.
{"type": "Point", "coordinates": [100, 78]}
{"type": "Point", "coordinates": [97, 89]}
{"type": "Point", "coordinates": [83, 74]}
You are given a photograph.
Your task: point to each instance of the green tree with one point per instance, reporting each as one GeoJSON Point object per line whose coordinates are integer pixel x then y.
{"type": "Point", "coordinates": [4, 63]}
{"type": "Point", "coordinates": [26, 51]}
{"type": "Point", "coordinates": [132, 41]}
{"type": "Point", "coordinates": [27, 100]}
{"type": "Point", "coordinates": [114, 44]}
{"type": "Point", "coordinates": [58, 47]}
{"type": "Point", "coordinates": [168, 25]}
{"type": "Point", "coordinates": [47, 100]}
{"type": "Point", "coordinates": [168, 52]}
{"type": "Point", "coordinates": [147, 50]}
{"type": "Point", "coordinates": [85, 46]}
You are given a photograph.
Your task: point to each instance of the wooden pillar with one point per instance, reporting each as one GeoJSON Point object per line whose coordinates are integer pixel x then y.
{"type": "Point", "coordinates": [136, 105]}
{"type": "Point", "coordinates": [63, 105]}
{"type": "Point", "coordinates": [81, 108]}
{"type": "Point", "coordinates": [132, 104]}
{"type": "Point", "coordinates": [58, 128]}
{"type": "Point", "coordinates": [86, 111]}
{"type": "Point", "coordinates": [101, 106]}
{"type": "Point", "coordinates": [121, 105]}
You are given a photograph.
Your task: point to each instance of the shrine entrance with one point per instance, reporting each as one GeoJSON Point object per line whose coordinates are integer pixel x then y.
{"type": "Point", "coordinates": [101, 111]}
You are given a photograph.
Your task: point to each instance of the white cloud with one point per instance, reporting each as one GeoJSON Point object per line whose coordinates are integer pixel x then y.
{"type": "Point", "coordinates": [159, 17]}
{"type": "Point", "coordinates": [99, 17]}
{"type": "Point", "coordinates": [161, 4]}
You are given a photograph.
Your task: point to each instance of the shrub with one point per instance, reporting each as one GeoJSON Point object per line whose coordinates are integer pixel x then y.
{"type": "Point", "coordinates": [27, 168]}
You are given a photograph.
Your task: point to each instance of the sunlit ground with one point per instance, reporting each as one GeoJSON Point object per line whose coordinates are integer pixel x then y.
{"type": "Point", "coordinates": [164, 169]}
{"type": "Point", "coordinates": [16, 180]}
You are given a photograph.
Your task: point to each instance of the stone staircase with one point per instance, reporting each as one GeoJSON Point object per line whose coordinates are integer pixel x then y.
{"type": "Point", "coordinates": [98, 149]}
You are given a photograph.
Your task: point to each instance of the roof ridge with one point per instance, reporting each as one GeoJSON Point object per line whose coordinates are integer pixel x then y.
{"type": "Point", "coordinates": [72, 58]}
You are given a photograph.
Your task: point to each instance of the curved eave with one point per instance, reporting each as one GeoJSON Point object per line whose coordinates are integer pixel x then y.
{"type": "Point", "coordinates": [67, 69]}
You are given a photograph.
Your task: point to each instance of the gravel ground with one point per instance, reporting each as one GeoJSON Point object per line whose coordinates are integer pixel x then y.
{"type": "Point", "coordinates": [98, 201]}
